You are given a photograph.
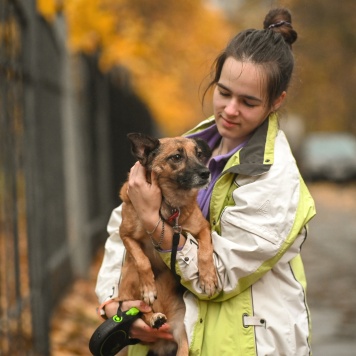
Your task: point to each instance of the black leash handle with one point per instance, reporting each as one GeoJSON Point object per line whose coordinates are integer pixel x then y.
{"type": "Point", "coordinates": [113, 334]}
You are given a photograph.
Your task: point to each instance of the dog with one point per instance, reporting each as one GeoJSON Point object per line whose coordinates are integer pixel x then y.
{"type": "Point", "coordinates": [179, 165]}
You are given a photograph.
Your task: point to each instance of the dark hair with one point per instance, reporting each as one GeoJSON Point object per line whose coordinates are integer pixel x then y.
{"type": "Point", "coordinates": [271, 48]}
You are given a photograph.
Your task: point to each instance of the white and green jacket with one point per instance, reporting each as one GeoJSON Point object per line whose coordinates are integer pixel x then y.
{"type": "Point", "coordinates": [259, 210]}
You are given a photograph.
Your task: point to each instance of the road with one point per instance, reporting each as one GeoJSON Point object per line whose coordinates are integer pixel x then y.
{"type": "Point", "coordinates": [329, 259]}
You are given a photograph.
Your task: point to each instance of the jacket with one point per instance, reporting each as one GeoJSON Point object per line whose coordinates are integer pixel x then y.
{"type": "Point", "coordinates": [259, 211]}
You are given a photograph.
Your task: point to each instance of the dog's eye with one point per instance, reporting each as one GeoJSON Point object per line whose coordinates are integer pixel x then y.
{"type": "Point", "coordinates": [176, 158]}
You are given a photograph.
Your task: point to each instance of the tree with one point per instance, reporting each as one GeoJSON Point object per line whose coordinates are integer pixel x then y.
{"type": "Point", "coordinates": [167, 46]}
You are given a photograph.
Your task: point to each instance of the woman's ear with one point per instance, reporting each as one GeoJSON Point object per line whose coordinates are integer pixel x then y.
{"type": "Point", "coordinates": [278, 102]}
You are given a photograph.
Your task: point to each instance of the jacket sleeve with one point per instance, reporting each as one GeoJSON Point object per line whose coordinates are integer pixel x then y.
{"type": "Point", "coordinates": [110, 271]}
{"type": "Point", "coordinates": [264, 226]}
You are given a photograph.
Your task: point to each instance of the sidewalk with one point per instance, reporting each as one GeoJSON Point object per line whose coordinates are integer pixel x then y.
{"type": "Point", "coordinates": [75, 319]}
{"type": "Point", "coordinates": [327, 338]}
{"type": "Point", "coordinates": [329, 260]}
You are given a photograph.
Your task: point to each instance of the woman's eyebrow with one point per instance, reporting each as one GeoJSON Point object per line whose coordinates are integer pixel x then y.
{"type": "Point", "coordinates": [222, 86]}
{"type": "Point", "coordinates": [250, 97]}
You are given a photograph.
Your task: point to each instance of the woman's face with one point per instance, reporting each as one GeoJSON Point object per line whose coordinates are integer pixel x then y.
{"type": "Point", "coordinates": [239, 100]}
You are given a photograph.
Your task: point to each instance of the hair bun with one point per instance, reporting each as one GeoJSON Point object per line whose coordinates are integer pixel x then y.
{"type": "Point", "coordinates": [280, 20]}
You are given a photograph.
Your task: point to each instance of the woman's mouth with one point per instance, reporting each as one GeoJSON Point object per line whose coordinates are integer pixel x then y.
{"type": "Point", "coordinates": [227, 123]}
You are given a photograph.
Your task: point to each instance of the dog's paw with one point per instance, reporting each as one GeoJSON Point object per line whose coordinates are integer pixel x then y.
{"type": "Point", "coordinates": [157, 320]}
{"type": "Point", "coordinates": [209, 283]}
{"type": "Point", "coordinates": [148, 295]}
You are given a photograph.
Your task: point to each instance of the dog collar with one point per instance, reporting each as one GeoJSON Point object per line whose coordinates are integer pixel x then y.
{"type": "Point", "coordinates": [174, 216]}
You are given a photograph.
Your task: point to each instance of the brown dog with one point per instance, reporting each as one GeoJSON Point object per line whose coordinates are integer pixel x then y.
{"type": "Point", "coordinates": [179, 165]}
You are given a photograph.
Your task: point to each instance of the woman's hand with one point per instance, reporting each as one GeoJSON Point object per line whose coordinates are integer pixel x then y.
{"type": "Point", "coordinates": [140, 330]}
{"type": "Point", "coordinates": [145, 197]}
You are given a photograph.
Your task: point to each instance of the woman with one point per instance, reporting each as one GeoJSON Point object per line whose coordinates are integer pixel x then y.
{"type": "Point", "coordinates": [258, 207]}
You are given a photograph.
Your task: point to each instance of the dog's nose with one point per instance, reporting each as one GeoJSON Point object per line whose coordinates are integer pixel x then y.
{"type": "Point", "coordinates": [205, 174]}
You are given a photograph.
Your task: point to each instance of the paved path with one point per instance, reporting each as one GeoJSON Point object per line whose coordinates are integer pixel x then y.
{"type": "Point", "coordinates": [329, 256]}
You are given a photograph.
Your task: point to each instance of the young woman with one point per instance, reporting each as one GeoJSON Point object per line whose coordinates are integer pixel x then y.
{"type": "Point", "coordinates": [258, 207]}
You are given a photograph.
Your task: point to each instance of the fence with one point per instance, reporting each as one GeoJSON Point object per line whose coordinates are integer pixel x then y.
{"type": "Point", "coordinates": [63, 156]}
{"type": "Point", "coordinates": [15, 322]}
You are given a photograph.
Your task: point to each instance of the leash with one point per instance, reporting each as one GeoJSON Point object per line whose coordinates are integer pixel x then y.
{"type": "Point", "coordinates": [177, 229]}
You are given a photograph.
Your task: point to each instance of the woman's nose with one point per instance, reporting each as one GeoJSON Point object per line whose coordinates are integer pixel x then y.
{"type": "Point", "coordinates": [231, 108]}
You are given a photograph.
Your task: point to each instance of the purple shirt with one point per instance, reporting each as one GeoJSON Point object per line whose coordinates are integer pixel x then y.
{"type": "Point", "coordinates": [216, 165]}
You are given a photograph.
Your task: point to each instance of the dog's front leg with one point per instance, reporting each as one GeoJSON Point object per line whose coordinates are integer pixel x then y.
{"type": "Point", "coordinates": [207, 274]}
{"type": "Point", "coordinates": [143, 268]}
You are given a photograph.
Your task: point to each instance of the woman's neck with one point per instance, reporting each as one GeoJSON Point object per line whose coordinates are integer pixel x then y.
{"type": "Point", "coordinates": [225, 146]}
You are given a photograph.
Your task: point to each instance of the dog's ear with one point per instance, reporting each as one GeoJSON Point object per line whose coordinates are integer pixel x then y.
{"type": "Point", "coordinates": [142, 145]}
{"type": "Point", "coordinates": [204, 147]}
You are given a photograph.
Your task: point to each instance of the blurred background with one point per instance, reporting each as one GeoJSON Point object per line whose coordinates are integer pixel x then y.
{"type": "Point", "coordinates": [77, 75]}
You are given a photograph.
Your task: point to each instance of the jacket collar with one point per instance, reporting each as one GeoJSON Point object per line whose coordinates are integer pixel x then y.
{"type": "Point", "coordinates": [257, 156]}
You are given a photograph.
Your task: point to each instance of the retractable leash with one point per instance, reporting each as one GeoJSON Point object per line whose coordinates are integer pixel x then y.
{"type": "Point", "coordinates": [113, 334]}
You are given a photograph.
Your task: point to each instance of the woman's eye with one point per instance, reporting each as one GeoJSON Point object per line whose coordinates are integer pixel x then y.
{"type": "Point", "coordinates": [224, 93]}
{"type": "Point", "coordinates": [248, 104]}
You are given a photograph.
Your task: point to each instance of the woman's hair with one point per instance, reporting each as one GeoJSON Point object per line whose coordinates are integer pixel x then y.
{"type": "Point", "coordinates": [270, 48]}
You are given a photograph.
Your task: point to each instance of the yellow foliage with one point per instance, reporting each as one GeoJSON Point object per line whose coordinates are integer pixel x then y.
{"type": "Point", "coordinates": [168, 46]}
{"type": "Point", "coordinates": [49, 8]}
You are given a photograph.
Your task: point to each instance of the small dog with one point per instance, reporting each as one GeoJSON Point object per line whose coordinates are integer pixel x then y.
{"type": "Point", "coordinates": [179, 165]}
